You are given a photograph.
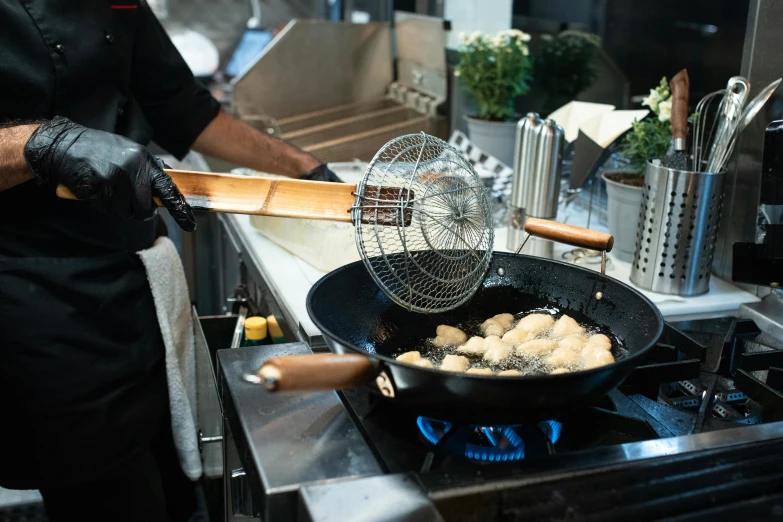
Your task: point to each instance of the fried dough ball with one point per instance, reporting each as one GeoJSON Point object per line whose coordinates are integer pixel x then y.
{"type": "Point", "coordinates": [562, 357]}
{"type": "Point", "coordinates": [497, 350]}
{"type": "Point", "coordinates": [474, 346]}
{"type": "Point", "coordinates": [497, 325]}
{"type": "Point", "coordinates": [455, 363]}
{"type": "Point", "coordinates": [409, 357]}
{"type": "Point", "coordinates": [595, 356]}
{"type": "Point", "coordinates": [516, 337]}
{"type": "Point", "coordinates": [535, 323]}
{"type": "Point", "coordinates": [449, 336]}
{"type": "Point", "coordinates": [575, 343]}
{"type": "Point", "coordinates": [480, 371]}
{"type": "Point", "coordinates": [565, 326]}
{"type": "Point", "coordinates": [536, 347]}
{"type": "Point", "coordinates": [599, 341]}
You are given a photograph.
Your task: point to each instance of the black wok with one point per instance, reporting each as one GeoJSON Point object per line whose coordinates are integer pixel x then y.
{"type": "Point", "coordinates": [356, 317]}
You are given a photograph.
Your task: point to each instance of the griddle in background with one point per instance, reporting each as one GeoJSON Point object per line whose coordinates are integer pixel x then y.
{"type": "Point", "coordinates": [342, 101]}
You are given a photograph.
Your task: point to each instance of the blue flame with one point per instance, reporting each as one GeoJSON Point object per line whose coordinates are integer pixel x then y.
{"type": "Point", "coordinates": [552, 429]}
{"type": "Point", "coordinates": [503, 442]}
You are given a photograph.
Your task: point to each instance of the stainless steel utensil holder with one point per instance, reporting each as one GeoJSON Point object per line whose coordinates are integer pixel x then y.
{"type": "Point", "coordinates": [677, 230]}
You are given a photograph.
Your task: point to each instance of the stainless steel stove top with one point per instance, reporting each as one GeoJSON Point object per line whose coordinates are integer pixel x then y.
{"type": "Point", "coordinates": [709, 390]}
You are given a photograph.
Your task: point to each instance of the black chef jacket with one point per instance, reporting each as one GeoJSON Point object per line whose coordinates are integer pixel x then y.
{"type": "Point", "coordinates": [78, 331]}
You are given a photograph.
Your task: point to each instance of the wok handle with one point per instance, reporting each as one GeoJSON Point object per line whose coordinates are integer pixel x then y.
{"type": "Point", "coordinates": [325, 371]}
{"type": "Point", "coordinates": [569, 234]}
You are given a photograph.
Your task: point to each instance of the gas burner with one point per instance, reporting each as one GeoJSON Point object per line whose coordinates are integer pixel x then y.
{"type": "Point", "coordinates": [485, 443]}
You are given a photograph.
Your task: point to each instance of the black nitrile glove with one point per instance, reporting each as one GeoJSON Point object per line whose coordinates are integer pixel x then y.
{"type": "Point", "coordinates": [321, 173]}
{"type": "Point", "coordinates": [113, 173]}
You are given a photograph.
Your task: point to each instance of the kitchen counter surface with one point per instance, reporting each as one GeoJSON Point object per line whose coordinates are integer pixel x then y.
{"type": "Point", "coordinates": [288, 440]}
{"type": "Point", "coordinates": [291, 278]}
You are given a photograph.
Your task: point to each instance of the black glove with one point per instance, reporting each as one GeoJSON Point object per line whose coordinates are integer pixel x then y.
{"type": "Point", "coordinates": [113, 173]}
{"type": "Point", "coordinates": [321, 173]}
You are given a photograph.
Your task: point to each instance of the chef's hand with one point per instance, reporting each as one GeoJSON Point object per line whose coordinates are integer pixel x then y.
{"type": "Point", "coordinates": [321, 173]}
{"type": "Point", "coordinates": [113, 173]}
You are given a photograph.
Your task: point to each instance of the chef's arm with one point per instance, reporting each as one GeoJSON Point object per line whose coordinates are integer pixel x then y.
{"type": "Point", "coordinates": [232, 140]}
{"type": "Point", "coordinates": [13, 167]}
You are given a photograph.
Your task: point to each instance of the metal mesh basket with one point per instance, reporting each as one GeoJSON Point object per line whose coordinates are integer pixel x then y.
{"type": "Point", "coordinates": [677, 230]}
{"type": "Point", "coordinates": [439, 259]}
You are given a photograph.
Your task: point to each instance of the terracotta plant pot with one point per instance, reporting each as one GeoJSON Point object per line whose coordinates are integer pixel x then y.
{"type": "Point", "coordinates": [494, 137]}
{"type": "Point", "coordinates": [623, 207]}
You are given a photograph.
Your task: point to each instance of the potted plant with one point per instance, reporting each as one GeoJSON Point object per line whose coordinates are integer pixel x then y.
{"type": "Point", "coordinates": [564, 66]}
{"type": "Point", "coordinates": [494, 70]}
{"type": "Point", "coordinates": [648, 138]}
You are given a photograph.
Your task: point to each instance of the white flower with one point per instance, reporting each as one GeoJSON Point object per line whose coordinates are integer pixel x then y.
{"type": "Point", "coordinates": [456, 72]}
{"type": "Point", "coordinates": [652, 100]}
{"type": "Point", "coordinates": [463, 37]}
{"type": "Point", "coordinates": [525, 51]}
{"type": "Point", "coordinates": [665, 110]}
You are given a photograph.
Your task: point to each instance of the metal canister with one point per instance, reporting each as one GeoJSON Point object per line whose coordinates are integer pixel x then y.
{"type": "Point", "coordinates": [536, 184]}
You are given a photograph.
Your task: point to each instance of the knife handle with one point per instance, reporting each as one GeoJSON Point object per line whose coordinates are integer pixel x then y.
{"type": "Point", "coordinates": [680, 86]}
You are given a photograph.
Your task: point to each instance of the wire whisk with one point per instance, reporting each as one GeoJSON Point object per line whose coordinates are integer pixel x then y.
{"type": "Point", "coordinates": [715, 131]}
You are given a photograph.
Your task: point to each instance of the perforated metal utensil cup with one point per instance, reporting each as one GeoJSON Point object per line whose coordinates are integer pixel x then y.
{"type": "Point", "coordinates": [677, 230]}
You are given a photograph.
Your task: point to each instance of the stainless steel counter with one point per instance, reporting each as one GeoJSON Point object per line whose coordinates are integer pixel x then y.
{"type": "Point", "coordinates": [303, 457]}
{"type": "Point", "coordinates": [286, 441]}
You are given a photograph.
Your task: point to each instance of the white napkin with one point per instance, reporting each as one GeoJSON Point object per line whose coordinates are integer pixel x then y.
{"type": "Point", "coordinates": [571, 116]}
{"type": "Point", "coordinates": [172, 304]}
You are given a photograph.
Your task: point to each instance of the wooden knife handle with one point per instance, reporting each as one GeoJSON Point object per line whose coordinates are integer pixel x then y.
{"type": "Point", "coordinates": [680, 87]}
{"type": "Point", "coordinates": [569, 234]}
{"type": "Point", "coordinates": [325, 371]}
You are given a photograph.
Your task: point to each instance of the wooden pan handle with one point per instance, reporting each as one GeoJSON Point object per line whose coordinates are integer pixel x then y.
{"type": "Point", "coordinates": [325, 371]}
{"type": "Point", "coordinates": [569, 234]}
{"type": "Point", "coordinates": [291, 198]}
{"type": "Point", "coordinates": [680, 86]}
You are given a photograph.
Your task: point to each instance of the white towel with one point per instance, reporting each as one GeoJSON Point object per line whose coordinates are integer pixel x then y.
{"type": "Point", "coordinates": [172, 303]}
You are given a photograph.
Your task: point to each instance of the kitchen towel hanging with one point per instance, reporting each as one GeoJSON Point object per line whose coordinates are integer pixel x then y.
{"type": "Point", "coordinates": [172, 303]}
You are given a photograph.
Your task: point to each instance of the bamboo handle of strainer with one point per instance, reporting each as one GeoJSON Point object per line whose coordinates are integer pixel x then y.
{"type": "Point", "coordinates": [259, 196]}
{"type": "Point", "coordinates": [569, 234]}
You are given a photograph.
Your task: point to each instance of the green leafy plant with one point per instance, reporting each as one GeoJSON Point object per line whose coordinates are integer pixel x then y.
{"type": "Point", "coordinates": [649, 138]}
{"type": "Point", "coordinates": [563, 66]}
{"type": "Point", "coordinates": [495, 70]}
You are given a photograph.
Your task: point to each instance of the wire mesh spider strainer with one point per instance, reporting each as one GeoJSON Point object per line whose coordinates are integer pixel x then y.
{"type": "Point", "coordinates": [437, 255]}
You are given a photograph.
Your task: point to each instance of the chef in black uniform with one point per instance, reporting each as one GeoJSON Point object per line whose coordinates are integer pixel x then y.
{"type": "Point", "coordinates": [84, 86]}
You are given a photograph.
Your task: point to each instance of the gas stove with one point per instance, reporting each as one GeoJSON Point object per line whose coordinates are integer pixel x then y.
{"type": "Point", "coordinates": [701, 376]}
{"type": "Point", "coordinates": [707, 402]}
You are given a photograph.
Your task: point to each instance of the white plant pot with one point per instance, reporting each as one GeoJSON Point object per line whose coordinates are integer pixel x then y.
{"type": "Point", "coordinates": [494, 137]}
{"type": "Point", "coordinates": [623, 206]}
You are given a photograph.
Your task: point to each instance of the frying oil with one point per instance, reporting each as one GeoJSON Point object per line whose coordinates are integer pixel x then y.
{"type": "Point", "coordinates": [527, 364]}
